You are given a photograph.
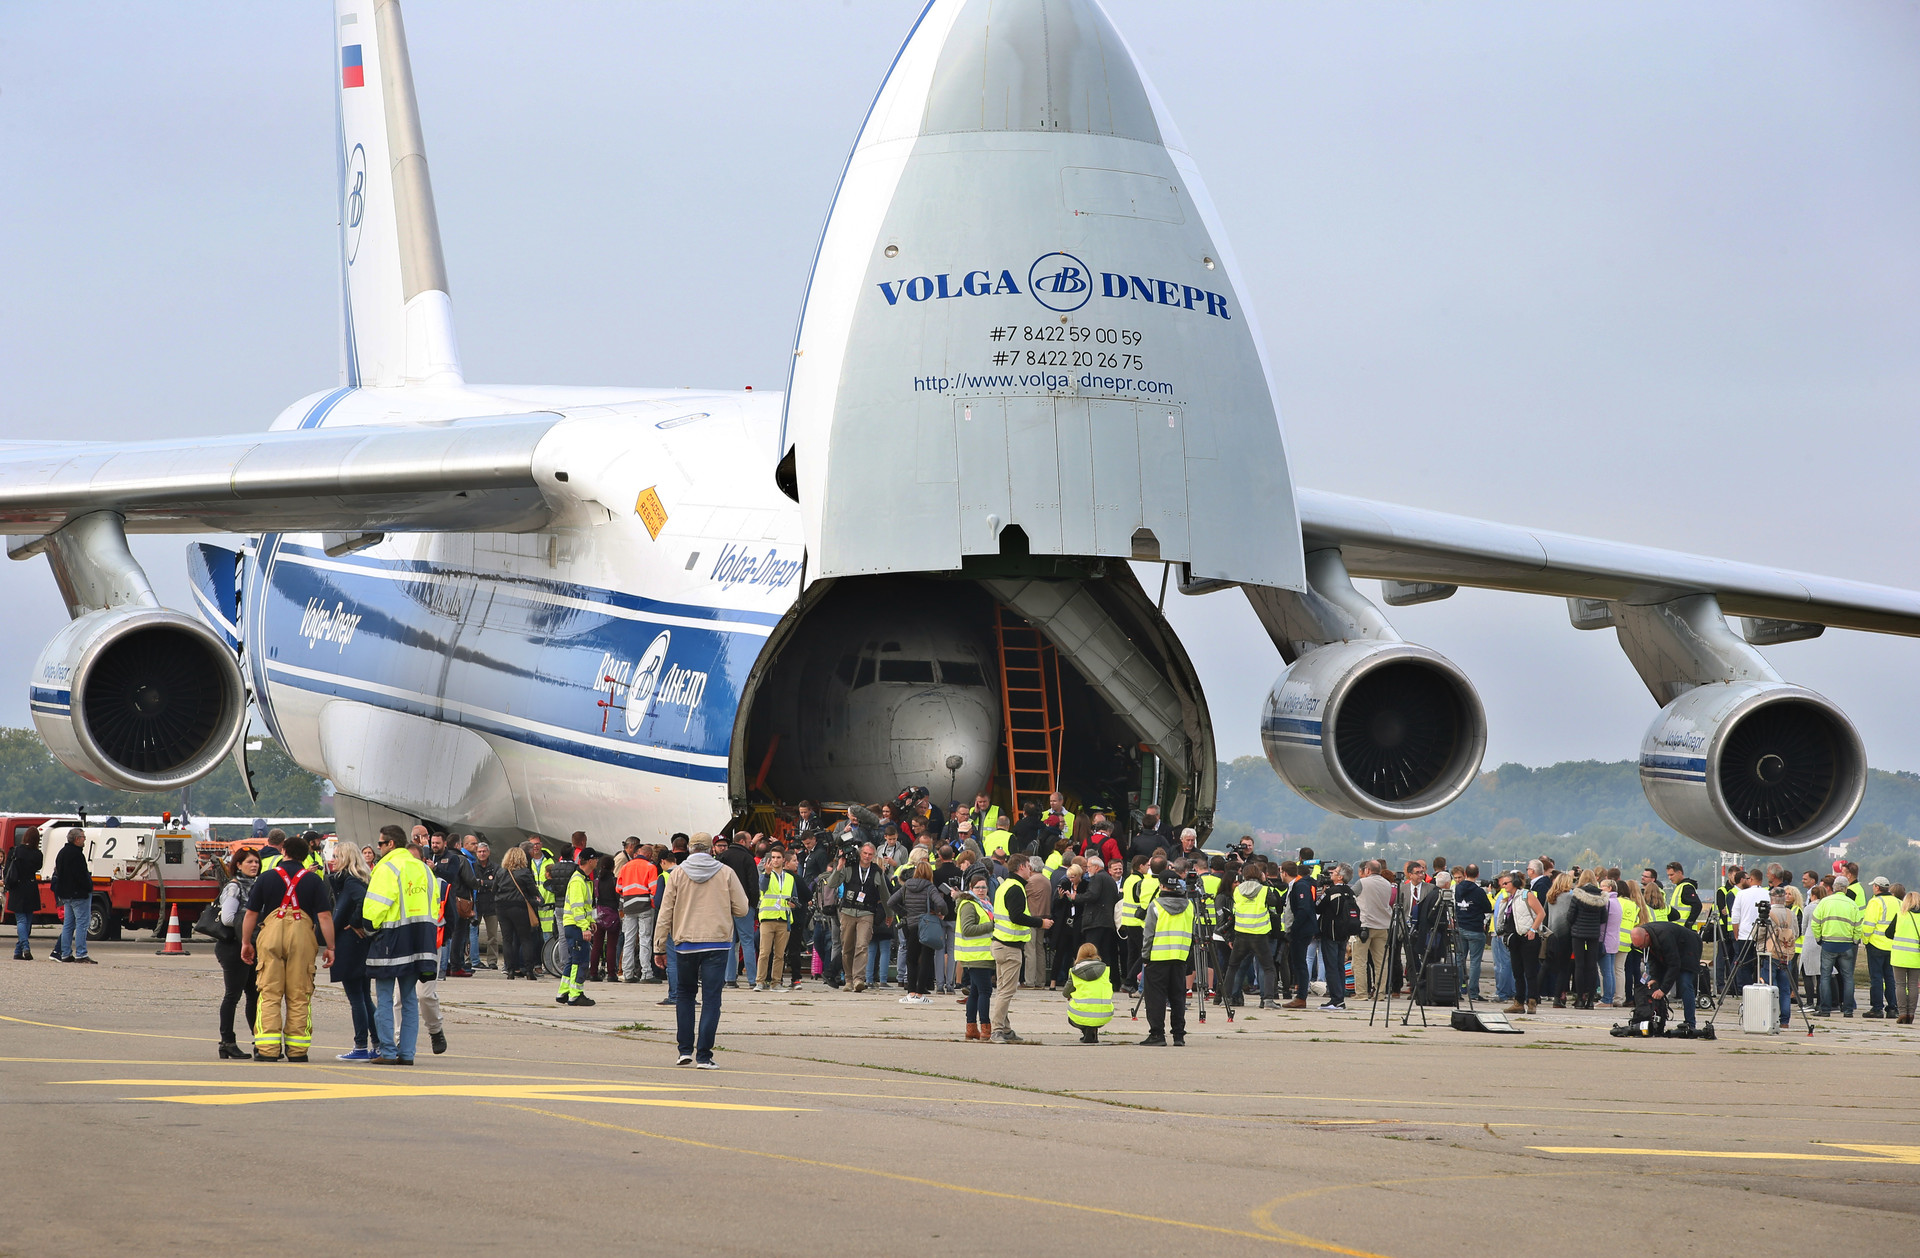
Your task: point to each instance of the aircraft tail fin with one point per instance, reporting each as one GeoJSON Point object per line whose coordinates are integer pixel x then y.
{"type": "Point", "coordinates": [398, 319]}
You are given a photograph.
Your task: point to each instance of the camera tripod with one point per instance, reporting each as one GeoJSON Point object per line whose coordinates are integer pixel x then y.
{"type": "Point", "coordinates": [1745, 948]}
{"type": "Point", "coordinates": [1396, 940]}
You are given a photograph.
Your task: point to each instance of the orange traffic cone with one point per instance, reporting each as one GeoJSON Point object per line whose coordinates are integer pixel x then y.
{"type": "Point", "coordinates": [173, 948]}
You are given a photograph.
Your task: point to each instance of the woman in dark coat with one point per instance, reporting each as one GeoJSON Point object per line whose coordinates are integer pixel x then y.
{"type": "Point", "coordinates": [514, 896]}
{"type": "Point", "coordinates": [1587, 927]}
{"type": "Point", "coordinates": [23, 888]}
{"type": "Point", "coordinates": [347, 877]}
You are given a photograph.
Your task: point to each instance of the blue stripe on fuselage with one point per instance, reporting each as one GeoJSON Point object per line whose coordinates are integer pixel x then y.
{"type": "Point", "coordinates": [520, 658]}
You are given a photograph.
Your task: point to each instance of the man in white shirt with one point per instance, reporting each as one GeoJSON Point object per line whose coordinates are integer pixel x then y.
{"type": "Point", "coordinates": [1746, 910]}
{"type": "Point", "coordinates": [1376, 914]}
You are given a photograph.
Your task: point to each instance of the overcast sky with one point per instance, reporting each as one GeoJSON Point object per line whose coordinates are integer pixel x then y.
{"type": "Point", "coordinates": [1645, 271]}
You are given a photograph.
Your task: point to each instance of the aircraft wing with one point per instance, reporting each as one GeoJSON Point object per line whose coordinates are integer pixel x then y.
{"type": "Point", "coordinates": [455, 475]}
{"type": "Point", "coordinates": [1407, 544]}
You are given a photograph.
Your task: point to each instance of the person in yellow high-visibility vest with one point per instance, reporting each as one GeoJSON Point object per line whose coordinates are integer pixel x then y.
{"type": "Point", "coordinates": [1876, 936]}
{"type": "Point", "coordinates": [1906, 956]}
{"type": "Point", "coordinates": [1167, 936]}
{"type": "Point", "coordinates": [576, 919]}
{"type": "Point", "coordinates": [1089, 994]}
{"type": "Point", "coordinates": [1012, 928]}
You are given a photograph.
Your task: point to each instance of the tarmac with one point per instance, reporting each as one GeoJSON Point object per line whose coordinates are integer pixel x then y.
{"type": "Point", "coordinates": [852, 1124]}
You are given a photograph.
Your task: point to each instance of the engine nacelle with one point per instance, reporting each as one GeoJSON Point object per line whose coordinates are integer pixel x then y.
{"type": "Point", "coordinates": [1383, 730]}
{"type": "Point", "coordinates": [138, 700]}
{"type": "Point", "coordinates": [1758, 767]}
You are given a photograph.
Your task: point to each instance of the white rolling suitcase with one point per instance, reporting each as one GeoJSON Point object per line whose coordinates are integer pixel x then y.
{"type": "Point", "coordinates": [1760, 1009]}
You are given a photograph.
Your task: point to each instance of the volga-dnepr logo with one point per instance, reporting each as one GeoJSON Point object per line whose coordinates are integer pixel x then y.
{"type": "Point", "coordinates": [1058, 281]}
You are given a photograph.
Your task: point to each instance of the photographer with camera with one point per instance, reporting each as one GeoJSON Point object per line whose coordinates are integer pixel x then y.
{"type": "Point", "coordinates": [1672, 953]}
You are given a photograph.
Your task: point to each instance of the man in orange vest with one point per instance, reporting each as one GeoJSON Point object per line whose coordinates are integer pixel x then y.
{"type": "Point", "coordinates": [638, 884]}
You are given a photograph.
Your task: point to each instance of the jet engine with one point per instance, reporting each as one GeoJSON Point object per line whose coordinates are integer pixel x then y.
{"type": "Point", "coordinates": [138, 700]}
{"type": "Point", "coordinates": [1754, 767]}
{"type": "Point", "coordinates": [1382, 730]}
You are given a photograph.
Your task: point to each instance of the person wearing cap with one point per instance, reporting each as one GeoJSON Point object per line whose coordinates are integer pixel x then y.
{"type": "Point", "coordinates": [1876, 930]}
{"type": "Point", "coordinates": [1836, 924]}
{"type": "Point", "coordinates": [1167, 944]}
{"type": "Point", "coordinates": [973, 952]}
{"type": "Point", "coordinates": [696, 917]}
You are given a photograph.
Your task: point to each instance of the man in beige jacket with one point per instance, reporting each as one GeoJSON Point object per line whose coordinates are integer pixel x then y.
{"type": "Point", "coordinates": [696, 921]}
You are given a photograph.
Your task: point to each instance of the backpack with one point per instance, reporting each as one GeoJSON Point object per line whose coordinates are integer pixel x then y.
{"type": "Point", "coordinates": [1346, 912]}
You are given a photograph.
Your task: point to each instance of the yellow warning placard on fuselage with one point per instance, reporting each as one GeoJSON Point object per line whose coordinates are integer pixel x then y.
{"type": "Point", "coordinates": [651, 513]}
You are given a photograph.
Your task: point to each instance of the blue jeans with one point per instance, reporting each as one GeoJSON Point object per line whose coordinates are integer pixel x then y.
{"type": "Point", "coordinates": [1333, 962]}
{"type": "Point", "coordinates": [979, 993]}
{"type": "Point", "coordinates": [73, 927]}
{"type": "Point", "coordinates": [673, 973]}
{"type": "Point", "coordinates": [1606, 976]}
{"type": "Point", "coordinates": [747, 935]}
{"type": "Point", "coordinates": [704, 972]}
{"type": "Point", "coordinates": [386, 1045]}
{"type": "Point", "coordinates": [943, 973]}
{"type": "Point", "coordinates": [879, 956]}
{"type": "Point", "coordinates": [1502, 973]}
{"type": "Point", "coordinates": [23, 925]}
{"type": "Point", "coordinates": [1836, 976]}
{"type": "Point", "coordinates": [1880, 981]}
{"type": "Point", "coordinates": [1780, 974]}
{"type": "Point", "coordinates": [1684, 986]}
{"type": "Point", "coordinates": [1471, 945]}
{"type": "Point", "coordinates": [359, 993]}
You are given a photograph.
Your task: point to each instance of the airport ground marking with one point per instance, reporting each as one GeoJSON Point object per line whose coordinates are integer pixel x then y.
{"type": "Point", "coordinates": [1880, 1154]}
{"type": "Point", "coordinates": [1274, 1237]}
{"type": "Point", "coordinates": [258, 1092]}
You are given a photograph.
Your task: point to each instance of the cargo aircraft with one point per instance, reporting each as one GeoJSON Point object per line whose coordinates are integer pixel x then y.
{"type": "Point", "coordinates": [1025, 358]}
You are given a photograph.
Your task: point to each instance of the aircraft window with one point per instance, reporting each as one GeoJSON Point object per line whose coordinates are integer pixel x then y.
{"type": "Point", "coordinates": [844, 670]}
{"type": "Point", "coordinates": [866, 675]}
{"type": "Point", "coordinates": [889, 646]}
{"type": "Point", "coordinates": [906, 670]}
{"type": "Point", "coordinates": [961, 673]}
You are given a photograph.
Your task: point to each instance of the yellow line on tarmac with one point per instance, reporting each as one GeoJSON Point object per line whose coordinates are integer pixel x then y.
{"type": "Point", "coordinates": [1884, 1154]}
{"type": "Point", "coordinates": [145, 1035]}
{"type": "Point", "coordinates": [1282, 1238]}
{"type": "Point", "coordinates": [1474, 1105]}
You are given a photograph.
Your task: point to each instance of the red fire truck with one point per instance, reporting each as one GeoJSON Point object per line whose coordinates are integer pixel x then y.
{"type": "Point", "coordinates": [141, 865]}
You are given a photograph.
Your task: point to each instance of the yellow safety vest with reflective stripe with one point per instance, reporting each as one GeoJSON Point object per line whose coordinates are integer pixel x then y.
{"type": "Point", "coordinates": [400, 892]}
{"type": "Point", "coordinates": [996, 841]}
{"type": "Point", "coordinates": [578, 911]}
{"type": "Point", "coordinates": [1677, 912]}
{"type": "Point", "coordinates": [1906, 941]}
{"type": "Point", "coordinates": [1629, 918]}
{"type": "Point", "coordinates": [1091, 1002]}
{"type": "Point", "coordinates": [1656, 908]}
{"type": "Point", "coordinates": [776, 902]}
{"type": "Point", "coordinates": [1880, 911]}
{"type": "Point", "coordinates": [268, 862]}
{"type": "Point", "coordinates": [1172, 935]}
{"type": "Point", "coordinates": [973, 949]}
{"type": "Point", "coordinates": [1135, 895]}
{"type": "Point", "coordinates": [1836, 919]}
{"type": "Point", "coordinates": [1250, 916]}
{"type": "Point", "coordinates": [540, 866]}
{"type": "Point", "coordinates": [1005, 930]}
{"type": "Point", "coordinates": [1055, 860]}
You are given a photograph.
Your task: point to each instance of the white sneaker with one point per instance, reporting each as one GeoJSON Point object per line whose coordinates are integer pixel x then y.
{"type": "Point", "coordinates": [1330, 1006]}
{"type": "Point", "coordinates": [686, 1059]}
{"type": "Point", "coordinates": [923, 1000]}
{"type": "Point", "coordinates": [706, 1065]}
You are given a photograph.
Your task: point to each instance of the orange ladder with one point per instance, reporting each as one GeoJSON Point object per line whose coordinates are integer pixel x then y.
{"type": "Point", "coordinates": [1030, 706]}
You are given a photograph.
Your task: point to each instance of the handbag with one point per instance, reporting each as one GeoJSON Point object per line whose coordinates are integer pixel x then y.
{"type": "Point", "coordinates": [932, 933]}
{"type": "Point", "coordinates": [210, 925]}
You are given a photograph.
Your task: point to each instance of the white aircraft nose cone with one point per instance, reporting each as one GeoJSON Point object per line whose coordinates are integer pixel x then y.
{"type": "Point", "coordinates": [1037, 65]}
{"type": "Point", "coordinates": [933, 724]}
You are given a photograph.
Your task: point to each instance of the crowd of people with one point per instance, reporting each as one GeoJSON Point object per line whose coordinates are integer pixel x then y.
{"type": "Point", "coordinates": [977, 905]}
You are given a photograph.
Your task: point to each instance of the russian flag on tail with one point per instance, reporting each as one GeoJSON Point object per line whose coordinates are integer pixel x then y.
{"type": "Point", "coordinates": [352, 73]}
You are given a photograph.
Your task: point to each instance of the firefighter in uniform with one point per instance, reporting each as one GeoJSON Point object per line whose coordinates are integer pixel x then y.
{"type": "Point", "coordinates": [1168, 936]}
{"type": "Point", "coordinates": [278, 937]}
{"type": "Point", "coordinates": [576, 920]}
